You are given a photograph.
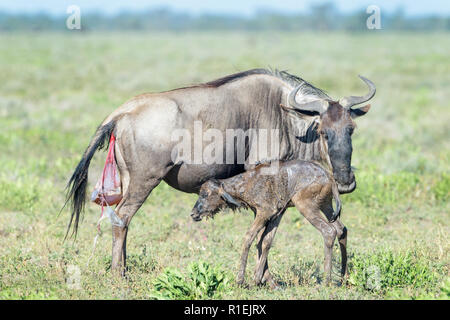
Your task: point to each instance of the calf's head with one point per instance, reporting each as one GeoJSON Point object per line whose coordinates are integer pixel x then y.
{"type": "Point", "coordinates": [211, 199]}
{"type": "Point", "coordinates": [335, 128]}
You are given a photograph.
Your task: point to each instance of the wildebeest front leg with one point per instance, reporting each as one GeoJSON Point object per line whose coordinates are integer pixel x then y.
{"type": "Point", "coordinates": [262, 274]}
{"type": "Point", "coordinates": [342, 238]}
{"type": "Point", "coordinates": [315, 217]}
{"type": "Point", "coordinates": [258, 225]}
{"type": "Point", "coordinates": [341, 235]}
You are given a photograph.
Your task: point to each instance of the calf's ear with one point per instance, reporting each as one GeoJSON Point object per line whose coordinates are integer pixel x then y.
{"type": "Point", "coordinates": [355, 113]}
{"type": "Point", "coordinates": [229, 199]}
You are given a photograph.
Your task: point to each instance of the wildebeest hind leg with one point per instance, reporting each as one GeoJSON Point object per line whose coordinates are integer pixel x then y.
{"type": "Point", "coordinates": [137, 184]}
{"type": "Point", "coordinates": [132, 201]}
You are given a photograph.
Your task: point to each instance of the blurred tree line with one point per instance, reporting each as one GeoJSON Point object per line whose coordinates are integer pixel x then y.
{"type": "Point", "coordinates": [323, 17]}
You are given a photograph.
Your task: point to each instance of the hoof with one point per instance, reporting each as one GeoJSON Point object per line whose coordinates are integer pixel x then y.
{"type": "Point", "coordinates": [240, 280]}
{"type": "Point", "coordinates": [344, 280]}
{"type": "Point", "coordinates": [268, 280]}
{"type": "Point", "coordinates": [273, 284]}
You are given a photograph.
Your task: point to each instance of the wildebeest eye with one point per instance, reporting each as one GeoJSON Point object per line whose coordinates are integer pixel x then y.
{"type": "Point", "coordinates": [350, 130]}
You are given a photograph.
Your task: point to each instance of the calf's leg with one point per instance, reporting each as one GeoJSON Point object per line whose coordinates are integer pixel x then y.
{"type": "Point", "coordinates": [262, 274]}
{"type": "Point", "coordinates": [257, 226]}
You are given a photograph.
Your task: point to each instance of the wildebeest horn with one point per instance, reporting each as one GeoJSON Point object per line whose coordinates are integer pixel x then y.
{"type": "Point", "coordinates": [312, 106]}
{"type": "Point", "coordinates": [348, 102]}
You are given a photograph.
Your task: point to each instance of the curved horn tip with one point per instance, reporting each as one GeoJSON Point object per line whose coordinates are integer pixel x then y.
{"type": "Point", "coordinates": [348, 102]}
{"type": "Point", "coordinates": [366, 80]}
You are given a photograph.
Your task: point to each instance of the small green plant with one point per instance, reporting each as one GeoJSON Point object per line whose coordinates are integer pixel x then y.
{"type": "Point", "coordinates": [207, 280]}
{"type": "Point", "coordinates": [387, 270]}
{"type": "Point", "coordinates": [171, 284]}
{"type": "Point", "coordinates": [202, 281]}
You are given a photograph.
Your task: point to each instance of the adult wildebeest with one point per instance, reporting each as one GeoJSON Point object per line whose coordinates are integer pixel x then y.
{"type": "Point", "coordinates": [258, 98]}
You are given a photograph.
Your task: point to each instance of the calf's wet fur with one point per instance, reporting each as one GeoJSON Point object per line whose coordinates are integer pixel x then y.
{"type": "Point", "coordinates": [303, 184]}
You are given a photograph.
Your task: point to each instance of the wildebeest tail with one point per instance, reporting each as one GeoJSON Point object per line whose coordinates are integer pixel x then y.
{"type": "Point", "coordinates": [76, 187]}
{"type": "Point", "coordinates": [337, 200]}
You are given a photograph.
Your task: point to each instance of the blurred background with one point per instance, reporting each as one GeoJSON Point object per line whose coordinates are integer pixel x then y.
{"type": "Point", "coordinates": [63, 69]}
{"type": "Point", "coordinates": [185, 15]}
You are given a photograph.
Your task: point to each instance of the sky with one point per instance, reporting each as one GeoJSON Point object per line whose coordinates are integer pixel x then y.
{"type": "Point", "coordinates": [239, 7]}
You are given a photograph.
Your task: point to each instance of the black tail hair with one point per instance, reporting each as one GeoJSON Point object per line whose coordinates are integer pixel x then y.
{"type": "Point", "coordinates": [76, 187]}
{"type": "Point", "coordinates": [337, 200]}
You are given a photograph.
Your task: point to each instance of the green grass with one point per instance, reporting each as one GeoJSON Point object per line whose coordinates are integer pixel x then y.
{"type": "Point", "coordinates": [386, 270]}
{"type": "Point", "coordinates": [57, 87]}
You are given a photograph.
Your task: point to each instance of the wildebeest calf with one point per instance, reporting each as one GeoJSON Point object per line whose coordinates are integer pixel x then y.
{"type": "Point", "coordinates": [303, 184]}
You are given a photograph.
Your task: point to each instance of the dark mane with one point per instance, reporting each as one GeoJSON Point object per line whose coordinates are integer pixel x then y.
{"type": "Point", "coordinates": [221, 81]}
{"type": "Point", "coordinates": [293, 80]}
{"type": "Point", "coordinates": [307, 88]}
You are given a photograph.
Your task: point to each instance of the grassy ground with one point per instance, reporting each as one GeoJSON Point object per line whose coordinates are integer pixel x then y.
{"type": "Point", "coordinates": [56, 89]}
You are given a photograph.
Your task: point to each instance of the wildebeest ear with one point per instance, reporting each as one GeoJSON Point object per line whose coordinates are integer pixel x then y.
{"type": "Point", "coordinates": [229, 199]}
{"type": "Point", "coordinates": [355, 113]}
